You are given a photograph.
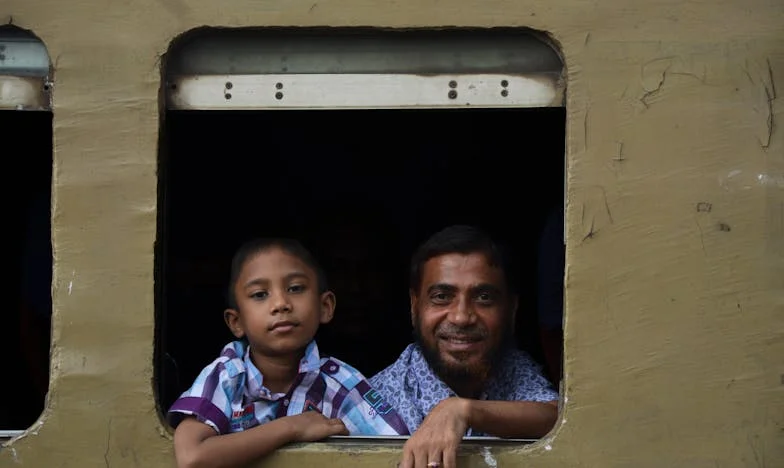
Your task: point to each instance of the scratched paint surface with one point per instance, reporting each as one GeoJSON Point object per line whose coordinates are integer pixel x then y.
{"type": "Point", "coordinates": [675, 276]}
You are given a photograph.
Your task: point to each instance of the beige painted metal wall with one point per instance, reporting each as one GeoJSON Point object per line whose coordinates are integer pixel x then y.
{"type": "Point", "coordinates": [674, 329]}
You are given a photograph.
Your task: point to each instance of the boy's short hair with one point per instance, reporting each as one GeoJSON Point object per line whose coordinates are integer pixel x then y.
{"type": "Point", "coordinates": [461, 239]}
{"type": "Point", "coordinates": [255, 246]}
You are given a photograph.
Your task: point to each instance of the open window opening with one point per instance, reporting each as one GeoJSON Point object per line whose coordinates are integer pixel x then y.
{"type": "Point", "coordinates": [360, 144]}
{"type": "Point", "coordinates": [26, 118]}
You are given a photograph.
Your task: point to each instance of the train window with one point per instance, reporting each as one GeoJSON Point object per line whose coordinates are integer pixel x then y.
{"type": "Point", "coordinates": [25, 113]}
{"type": "Point", "coordinates": [348, 141]}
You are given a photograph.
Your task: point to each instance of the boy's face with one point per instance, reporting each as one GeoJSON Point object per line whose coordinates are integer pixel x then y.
{"type": "Point", "coordinates": [279, 305]}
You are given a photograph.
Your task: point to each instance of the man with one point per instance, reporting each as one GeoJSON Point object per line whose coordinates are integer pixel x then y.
{"type": "Point", "coordinates": [463, 375]}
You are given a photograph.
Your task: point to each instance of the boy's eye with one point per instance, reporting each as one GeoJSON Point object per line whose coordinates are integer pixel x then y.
{"type": "Point", "coordinates": [295, 288]}
{"type": "Point", "coordinates": [259, 295]}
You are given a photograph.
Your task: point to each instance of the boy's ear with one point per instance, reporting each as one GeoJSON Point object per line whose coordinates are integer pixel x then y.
{"type": "Point", "coordinates": [328, 302]}
{"type": "Point", "coordinates": [232, 319]}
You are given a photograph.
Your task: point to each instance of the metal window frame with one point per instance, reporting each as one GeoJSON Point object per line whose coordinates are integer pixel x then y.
{"type": "Point", "coordinates": [362, 91]}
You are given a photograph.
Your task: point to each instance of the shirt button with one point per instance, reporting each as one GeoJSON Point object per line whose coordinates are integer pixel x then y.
{"type": "Point", "coordinates": [286, 402]}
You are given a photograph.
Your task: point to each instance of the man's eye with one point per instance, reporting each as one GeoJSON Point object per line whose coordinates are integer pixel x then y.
{"type": "Point", "coordinates": [485, 298]}
{"type": "Point", "coordinates": [440, 297]}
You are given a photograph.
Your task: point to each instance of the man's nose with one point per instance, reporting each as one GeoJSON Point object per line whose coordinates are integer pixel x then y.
{"type": "Point", "coordinates": [462, 313]}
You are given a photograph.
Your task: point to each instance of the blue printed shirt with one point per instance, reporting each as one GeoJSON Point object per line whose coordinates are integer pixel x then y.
{"type": "Point", "coordinates": [413, 389]}
{"type": "Point", "coordinates": [229, 395]}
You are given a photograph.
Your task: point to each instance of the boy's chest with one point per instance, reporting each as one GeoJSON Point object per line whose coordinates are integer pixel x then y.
{"type": "Point", "coordinates": [249, 413]}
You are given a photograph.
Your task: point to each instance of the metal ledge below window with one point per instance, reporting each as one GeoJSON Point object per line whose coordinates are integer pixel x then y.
{"type": "Point", "coordinates": [398, 439]}
{"type": "Point", "coordinates": [5, 436]}
{"type": "Point", "coordinates": [362, 91]}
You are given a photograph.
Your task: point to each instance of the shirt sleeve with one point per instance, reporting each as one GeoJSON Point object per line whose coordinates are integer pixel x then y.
{"type": "Point", "coordinates": [365, 412]}
{"type": "Point", "coordinates": [531, 384]}
{"type": "Point", "coordinates": [209, 398]}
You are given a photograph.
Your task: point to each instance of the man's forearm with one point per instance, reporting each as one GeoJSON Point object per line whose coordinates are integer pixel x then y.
{"type": "Point", "coordinates": [512, 419]}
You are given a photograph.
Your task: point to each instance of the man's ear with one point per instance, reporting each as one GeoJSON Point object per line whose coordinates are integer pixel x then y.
{"type": "Point", "coordinates": [328, 303]}
{"type": "Point", "coordinates": [413, 298]}
{"type": "Point", "coordinates": [232, 319]}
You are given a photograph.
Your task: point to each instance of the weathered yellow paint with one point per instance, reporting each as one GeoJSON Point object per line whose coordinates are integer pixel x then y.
{"type": "Point", "coordinates": [674, 330]}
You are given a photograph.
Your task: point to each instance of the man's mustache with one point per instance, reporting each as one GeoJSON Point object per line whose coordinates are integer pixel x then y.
{"type": "Point", "coordinates": [471, 333]}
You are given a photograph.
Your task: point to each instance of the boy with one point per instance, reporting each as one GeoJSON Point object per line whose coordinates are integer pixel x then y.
{"type": "Point", "coordinates": [271, 387]}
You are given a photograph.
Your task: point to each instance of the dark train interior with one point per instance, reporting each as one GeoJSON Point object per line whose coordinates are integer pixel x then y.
{"type": "Point", "coordinates": [25, 329]}
{"type": "Point", "coordinates": [361, 189]}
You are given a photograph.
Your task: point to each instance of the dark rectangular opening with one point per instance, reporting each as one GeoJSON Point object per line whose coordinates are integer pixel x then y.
{"type": "Point", "coordinates": [26, 325]}
{"type": "Point", "coordinates": [361, 189]}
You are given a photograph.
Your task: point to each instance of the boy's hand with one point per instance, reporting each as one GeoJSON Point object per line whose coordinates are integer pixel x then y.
{"type": "Point", "coordinates": [311, 426]}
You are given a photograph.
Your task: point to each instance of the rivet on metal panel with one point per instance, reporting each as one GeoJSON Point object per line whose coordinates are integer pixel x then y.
{"type": "Point", "coordinates": [504, 93]}
{"type": "Point", "coordinates": [504, 83]}
{"type": "Point", "coordinates": [227, 95]}
{"type": "Point", "coordinates": [278, 85]}
{"type": "Point", "coordinates": [453, 84]}
{"type": "Point", "coordinates": [229, 85]}
{"type": "Point", "coordinates": [278, 95]}
{"type": "Point", "coordinates": [452, 94]}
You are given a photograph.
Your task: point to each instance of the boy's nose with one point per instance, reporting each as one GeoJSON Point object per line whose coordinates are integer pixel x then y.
{"type": "Point", "coordinates": [280, 303]}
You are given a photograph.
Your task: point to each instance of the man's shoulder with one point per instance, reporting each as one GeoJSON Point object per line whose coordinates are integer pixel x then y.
{"type": "Point", "coordinates": [395, 372]}
{"type": "Point", "coordinates": [520, 357]}
{"type": "Point", "coordinates": [521, 378]}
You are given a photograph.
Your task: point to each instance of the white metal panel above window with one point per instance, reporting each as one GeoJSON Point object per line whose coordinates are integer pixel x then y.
{"type": "Point", "coordinates": [364, 69]}
{"type": "Point", "coordinates": [25, 71]}
{"type": "Point", "coordinates": [361, 91]}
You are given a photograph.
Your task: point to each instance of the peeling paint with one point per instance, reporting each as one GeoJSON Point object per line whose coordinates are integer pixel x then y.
{"type": "Point", "coordinates": [488, 457]}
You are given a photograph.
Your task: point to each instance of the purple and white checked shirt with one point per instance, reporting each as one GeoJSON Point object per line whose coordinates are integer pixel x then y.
{"type": "Point", "coordinates": [229, 395]}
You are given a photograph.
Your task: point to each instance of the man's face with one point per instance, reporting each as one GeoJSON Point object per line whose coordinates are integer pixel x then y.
{"type": "Point", "coordinates": [462, 316]}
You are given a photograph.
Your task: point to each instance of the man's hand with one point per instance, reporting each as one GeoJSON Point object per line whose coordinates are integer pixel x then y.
{"type": "Point", "coordinates": [436, 441]}
{"type": "Point", "coordinates": [311, 426]}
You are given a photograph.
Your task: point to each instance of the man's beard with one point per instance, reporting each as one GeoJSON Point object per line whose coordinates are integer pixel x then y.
{"type": "Point", "coordinates": [458, 374]}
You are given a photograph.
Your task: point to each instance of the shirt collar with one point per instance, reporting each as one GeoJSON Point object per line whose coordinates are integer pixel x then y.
{"type": "Point", "coordinates": [311, 361]}
{"type": "Point", "coordinates": [422, 372]}
{"type": "Point", "coordinates": [425, 396]}
{"type": "Point", "coordinates": [429, 388]}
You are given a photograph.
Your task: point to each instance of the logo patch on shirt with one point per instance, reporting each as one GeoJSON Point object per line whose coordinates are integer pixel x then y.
{"type": "Point", "coordinates": [377, 403]}
{"type": "Point", "coordinates": [310, 406]}
{"type": "Point", "coordinates": [243, 419]}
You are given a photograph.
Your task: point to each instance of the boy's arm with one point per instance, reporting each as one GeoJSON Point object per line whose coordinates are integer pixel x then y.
{"type": "Point", "coordinates": [198, 445]}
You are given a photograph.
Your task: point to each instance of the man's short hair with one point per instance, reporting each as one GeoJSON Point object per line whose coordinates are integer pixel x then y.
{"type": "Point", "coordinates": [461, 239]}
